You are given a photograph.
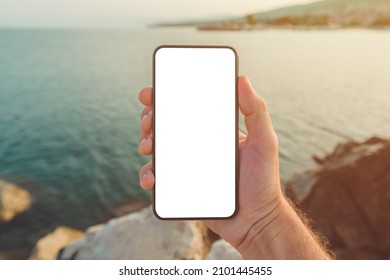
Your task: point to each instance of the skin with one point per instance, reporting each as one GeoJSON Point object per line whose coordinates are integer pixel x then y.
{"type": "Point", "coordinates": [266, 226]}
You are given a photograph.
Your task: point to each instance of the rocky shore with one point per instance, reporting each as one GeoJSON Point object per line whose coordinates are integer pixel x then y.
{"type": "Point", "coordinates": [346, 197]}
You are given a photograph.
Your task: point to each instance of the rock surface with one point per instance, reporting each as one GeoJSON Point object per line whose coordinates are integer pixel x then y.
{"type": "Point", "coordinates": [348, 198]}
{"type": "Point", "coordinates": [13, 201]}
{"type": "Point", "coordinates": [221, 250]}
{"type": "Point", "coordinates": [141, 236]}
{"type": "Point", "coordinates": [126, 208]}
{"type": "Point", "coordinates": [48, 246]}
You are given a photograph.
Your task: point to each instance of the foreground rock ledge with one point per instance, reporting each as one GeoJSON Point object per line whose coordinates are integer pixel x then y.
{"type": "Point", "coordinates": [348, 198]}
{"type": "Point", "coordinates": [141, 236]}
{"type": "Point", "coordinates": [48, 246]}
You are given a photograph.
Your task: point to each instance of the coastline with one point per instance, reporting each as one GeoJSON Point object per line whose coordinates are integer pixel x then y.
{"type": "Point", "coordinates": [261, 27]}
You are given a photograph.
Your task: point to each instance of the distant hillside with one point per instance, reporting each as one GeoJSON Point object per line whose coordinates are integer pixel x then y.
{"type": "Point", "coordinates": [321, 14]}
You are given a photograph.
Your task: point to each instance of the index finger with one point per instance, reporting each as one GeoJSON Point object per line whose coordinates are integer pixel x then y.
{"type": "Point", "coordinates": [145, 96]}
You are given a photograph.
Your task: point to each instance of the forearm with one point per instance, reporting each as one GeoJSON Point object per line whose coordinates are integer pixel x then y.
{"type": "Point", "coordinates": [282, 235]}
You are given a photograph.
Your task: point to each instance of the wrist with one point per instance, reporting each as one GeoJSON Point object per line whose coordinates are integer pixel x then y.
{"type": "Point", "coordinates": [256, 242]}
{"type": "Point", "coordinates": [282, 235]}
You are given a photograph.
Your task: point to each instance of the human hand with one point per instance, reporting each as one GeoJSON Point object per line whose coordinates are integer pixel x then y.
{"type": "Point", "coordinates": [260, 197]}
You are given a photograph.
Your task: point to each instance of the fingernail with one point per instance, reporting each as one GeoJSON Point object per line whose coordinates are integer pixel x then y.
{"type": "Point", "coordinates": [143, 140]}
{"type": "Point", "coordinates": [144, 175]}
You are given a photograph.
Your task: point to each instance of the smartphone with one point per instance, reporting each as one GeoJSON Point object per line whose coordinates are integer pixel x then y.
{"type": "Point", "coordinates": [195, 132]}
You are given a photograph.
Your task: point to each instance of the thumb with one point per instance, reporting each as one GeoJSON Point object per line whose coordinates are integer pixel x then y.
{"type": "Point", "coordinates": [257, 119]}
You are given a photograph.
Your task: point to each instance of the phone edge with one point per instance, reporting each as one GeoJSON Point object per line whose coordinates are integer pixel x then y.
{"type": "Point", "coordinates": [236, 57]}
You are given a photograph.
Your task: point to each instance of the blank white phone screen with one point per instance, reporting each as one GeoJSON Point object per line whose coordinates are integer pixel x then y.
{"type": "Point", "coordinates": [195, 129]}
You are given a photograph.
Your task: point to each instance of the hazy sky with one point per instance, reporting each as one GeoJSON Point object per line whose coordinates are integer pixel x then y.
{"type": "Point", "coordinates": [123, 13]}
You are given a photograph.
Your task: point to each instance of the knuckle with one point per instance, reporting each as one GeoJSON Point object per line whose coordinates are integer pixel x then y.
{"type": "Point", "coordinates": [274, 144]}
{"type": "Point", "coordinates": [262, 105]}
{"type": "Point", "coordinates": [145, 111]}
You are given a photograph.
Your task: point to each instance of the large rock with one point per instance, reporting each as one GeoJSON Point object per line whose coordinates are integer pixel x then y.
{"type": "Point", "coordinates": [48, 246]}
{"type": "Point", "coordinates": [348, 198]}
{"type": "Point", "coordinates": [141, 236]}
{"type": "Point", "coordinates": [221, 250]}
{"type": "Point", "coordinates": [125, 208]}
{"type": "Point", "coordinates": [13, 201]}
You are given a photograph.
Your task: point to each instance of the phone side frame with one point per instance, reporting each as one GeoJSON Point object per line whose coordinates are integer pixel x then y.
{"type": "Point", "coordinates": [237, 159]}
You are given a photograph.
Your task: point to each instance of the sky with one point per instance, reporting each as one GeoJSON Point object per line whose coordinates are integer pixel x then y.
{"type": "Point", "coordinates": [124, 13]}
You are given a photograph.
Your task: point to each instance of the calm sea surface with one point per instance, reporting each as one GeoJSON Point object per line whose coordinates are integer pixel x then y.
{"type": "Point", "coordinates": [69, 113]}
